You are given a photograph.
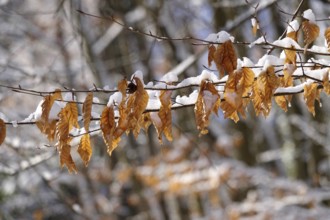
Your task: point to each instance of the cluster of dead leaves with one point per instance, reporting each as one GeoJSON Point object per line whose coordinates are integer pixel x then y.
{"type": "Point", "coordinates": [129, 115]}
{"type": "Point", "coordinates": [60, 128]}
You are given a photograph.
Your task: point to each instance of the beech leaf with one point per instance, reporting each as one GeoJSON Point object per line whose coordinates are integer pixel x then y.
{"type": "Point", "coordinates": [85, 149]}
{"type": "Point", "coordinates": [87, 110]}
{"type": "Point", "coordinates": [225, 58]}
{"type": "Point", "coordinates": [311, 94]}
{"type": "Point", "coordinates": [311, 32]}
{"type": "Point", "coordinates": [2, 131]}
{"type": "Point", "coordinates": [66, 159]}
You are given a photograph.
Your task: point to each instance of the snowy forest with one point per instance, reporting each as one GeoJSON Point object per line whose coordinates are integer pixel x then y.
{"type": "Point", "coordinates": [206, 109]}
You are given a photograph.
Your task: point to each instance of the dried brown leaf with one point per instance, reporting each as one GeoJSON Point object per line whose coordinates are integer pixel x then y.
{"type": "Point", "coordinates": [255, 26]}
{"type": "Point", "coordinates": [326, 84]}
{"type": "Point", "coordinates": [207, 101]}
{"type": "Point", "coordinates": [122, 87]}
{"type": "Point", "coordinates": [293, 35]}
{"type": "Point", "coordinates": [45, 126]}
{"type": "Point", "coordinates": [85, 148]}
{"type": "Point", "coordinates": [72, 114]}
{"type": "Point", "coordinates": [246, 81]}
{"type": "Point", "coordinates": [239, 85]}
{"type": "Point", "coordinates": [136, 104]}
{"type": "Point", "coordinates": [165, 115]}
{"type": "Point", "coordinates": [66, 159]}
{"type": "Point", "coordinates": [2, 131]}
{"type": "Point", "coordinates": [225, 58]}
{"type": "Point", "coordinates": [49, 129]}
{"type": "Point", "coordinates": [145, 121]}
{"type": "Point", "coordinates": [108, 124]}
{"type": "Point", "coordinates": [282, 102]}
{"type": "Point", "coordinates": [327, 37]}
{"type": "Point", "coordinates": [62, 127]}
{"type": "Point", "coordinates": [267, 83]}
{"type": "Point", "coordinates": [257, 100]}
{"type": "Point", "coordinates": [232, 103]}
{"type": "Point", "coordinates": [199, 114]}
{"type": "Point", "coordinates": [290, 56]}
{"type": "Point", "coordinates": [87, 110]}
{"type": "Point", "coordinates": [285, 81]}
{"type": "Point", "coordinates": [210, 56]}
{"type": "Point", "coordinates": [311, 94]}
{"type": "Point", "coordinates": [311, 32]}
{"type": "Point", "coordinates": [48, 104]}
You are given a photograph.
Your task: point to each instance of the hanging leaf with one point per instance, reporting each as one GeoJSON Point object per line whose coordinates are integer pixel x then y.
{"type": "Point", "coordinates": [66, 159]}
{"type": "Point", "coordinates": [311, 93]}
{"type": "Point", "coordinates": [85, 149]}
{"type": "Point", "coordinates": [267, 83]}
{"type": "Point", "coordinates": [122, 87]}
{"type": "Point", "coordinates": [165, 115]}
{"type": "Point", "coordinates": [246, 81]}
{"type": "Point", "coordinates": [282, 102]}
{"type": "Point", "coordinates": [136, 104]}
{"type": "Point", "coordinates": [123, 111]}
{"type": "Point", "coordinates": [72, 114]}
{"type": "Point", "coordinates": [327, 37]}
{"type": "Point", "coordinates": [199, 114]}
{"type": "Point", "coordinates": [238, 87]}
{"type": "Point", "coordinates": [87, 110]}
{"type": "Point", "coordinates": [207, 99]}
{"type": "Point", "coordinates": [107, 124]}
{"type": "Point", "coordinates": [45, 126]}
{"type": "Point", "coordinates": [255, 26]}
{"type": "Point", "coordinates": [311, 32]}
{"type": "Point", "coordinates": [293, 35]}
{"type": "Point", "coordinates": [285, 81]}
{"type": "Point", "coordinates": [210, 56]}
{"type": "Point", "coordinates": [2, 131]}
{"type": "Point", "coordinates": [232, 103]}
{"type": "Point", "coordinates": [326, 84]}
{"type": "Point", "coordinates": [145, 121]}
{"type": "Point", "coordinates": [48, 129]}
{"type": "Point", "coordinates": [63, 127]}
{"type": "Point", "coordinates": [290, 56]}
{"type": "Point", "coordinates": [48, 104]}
{"type": "Point", "coordinates": [225, 58]}
{"type": "Point", "coordinates": [257, 100]}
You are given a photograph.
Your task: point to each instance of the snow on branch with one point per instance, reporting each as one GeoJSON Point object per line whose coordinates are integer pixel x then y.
{"type": "Point", "coordinates": [235, 82]}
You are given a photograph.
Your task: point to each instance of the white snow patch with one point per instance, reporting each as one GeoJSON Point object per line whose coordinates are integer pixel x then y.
{"type": "Point", "coordinates": [268, 60]}
{"type": "Point", "coordinates": [96, 100]}
{"type": "Point", "coordinates": [186, 100]}
{"type": "Point", "coordinates": [107, 87]}
{"type": "Point", "coordinates": [293, 26]}
{"type": "Point", "coordinates": [287, 42]}
{"type": "Point", "coordinates": [169, 77]}
{"type": "Point", "coordinates": [153, 102]}
{"type": "Point", "coordinates": [3, 117]}
{"type": "Point", "coordinates": [319, 49]}
{"type": "Point", "coordinates": [138, 74]}
{"type": "Point", "coordinates": [205, 75]}
{"type": "Point", "coordinates": [247, 62]}
{"type": "Point", "coordinates": [14, 123]}
{"type": "Point", "coordinates": [254, 22]}
{"type": "Point", "coordinates": [115, 99]}
{"type": "Point", "coordinates": [260, 40]}
{"type": "Point", "coordinates": [292, 89]}
{"type": "Point", "coordinates": [219, 37]}
{"type": "Point", "coordinates": [309, 15]}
